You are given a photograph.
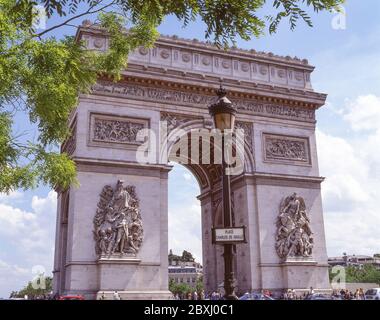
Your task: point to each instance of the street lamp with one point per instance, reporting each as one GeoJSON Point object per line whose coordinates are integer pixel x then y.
{"type": "Point", "coordinates": [224, 113]}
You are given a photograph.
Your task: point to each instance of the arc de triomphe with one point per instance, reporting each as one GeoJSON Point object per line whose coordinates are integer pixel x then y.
{"type": "Point", "coordinates": [112, 231]}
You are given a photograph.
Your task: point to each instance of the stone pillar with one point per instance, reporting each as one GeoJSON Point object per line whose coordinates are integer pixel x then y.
{"type": "Point", "coordinates": [143, 276]}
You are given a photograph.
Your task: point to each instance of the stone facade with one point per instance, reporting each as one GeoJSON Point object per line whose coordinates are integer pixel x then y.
{"type": "Point", "coordinates": [175, 81]}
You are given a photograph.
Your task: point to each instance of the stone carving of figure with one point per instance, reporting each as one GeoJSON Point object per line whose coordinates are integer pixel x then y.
{"type": "Point", "coordinates": [117, 223]}
{"type": "Point", "coordinates": [294, 236]}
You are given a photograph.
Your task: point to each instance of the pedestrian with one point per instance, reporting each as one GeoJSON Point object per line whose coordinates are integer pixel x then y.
{"type": "Point", "coordinates": [361, 294]}
{"type": "Point", "coordinates": [195, 295]}
{"type": "Point", "coordinates": [116, 296]}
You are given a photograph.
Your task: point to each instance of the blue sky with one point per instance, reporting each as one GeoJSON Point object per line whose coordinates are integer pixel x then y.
{"type": "Point", "coordinates": [348, 133]}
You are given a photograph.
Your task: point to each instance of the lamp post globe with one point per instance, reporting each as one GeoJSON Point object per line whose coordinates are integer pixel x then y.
{"type": "Point", "coordinates": [223, 111]}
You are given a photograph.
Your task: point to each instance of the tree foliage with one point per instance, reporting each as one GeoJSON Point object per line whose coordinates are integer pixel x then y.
{"type": "Point", "coordinates": [42, 76]}
{"type": "Point", "coordinates": [31, 292]}
{"type": "Point", "coordinates": [182, 289]}
{"type": "Point", "coordinates": [365, 274]}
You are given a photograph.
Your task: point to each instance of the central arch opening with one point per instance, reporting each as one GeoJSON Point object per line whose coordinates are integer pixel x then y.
{"type": "Point", "coordinates": [184, 212]}
{"type": "Point", "coordinates": [195, 203]}
{"type": "Point", "coordinates": [185, 270]}
{"type": "Point", "coordinates": [193, 209]}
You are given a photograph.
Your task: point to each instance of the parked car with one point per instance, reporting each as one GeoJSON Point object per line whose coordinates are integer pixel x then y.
{"type": "Point", "coordinates": [373, 294]}
{"type": "Point", "coordinates": [255, 296]}
{"type": "Point", "coordinates": [319, 296]}
{"type": "Point", "coordinates": [73, 297]}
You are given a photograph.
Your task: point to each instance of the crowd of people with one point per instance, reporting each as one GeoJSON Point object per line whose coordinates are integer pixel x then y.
{"type": "Point", "coordinates": [348, 295]}
{"type": "Point", "coordinates": [343, 294]}
{"type": "Point", "coordinates": [290, 294]}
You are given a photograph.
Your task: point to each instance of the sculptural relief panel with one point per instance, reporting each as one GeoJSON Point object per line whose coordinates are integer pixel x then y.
{"type": "Point", "coordinates": [115, 131]}
{"type": "Point", "coordinates": [118, 230]}
{"type": "Point", "coordinates": [294, 238]}
{"type": "Point", "coordinates": [286, 149]}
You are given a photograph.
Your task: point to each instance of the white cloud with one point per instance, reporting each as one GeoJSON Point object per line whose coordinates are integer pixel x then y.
{"type": "Point", "coordinates": [29, 240]}
{"type": "Point", "coordinates": [11, 270]}
{"type": "Point", "coordinates": [343, 170]}
{"type": "Point", "coordinates": [364, 113]}
{"type": "Point", "coordinates": [10, 197]}
{"type": "Point", "coordinates": [352, 188]}
{"type": "Point", "coordinates": [185, 228]}
{"type": "Point", "coordinates": [46, 205]}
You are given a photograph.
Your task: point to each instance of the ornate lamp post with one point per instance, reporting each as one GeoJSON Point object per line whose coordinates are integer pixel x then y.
{"type": "Point", "coordinates": [224, 113]}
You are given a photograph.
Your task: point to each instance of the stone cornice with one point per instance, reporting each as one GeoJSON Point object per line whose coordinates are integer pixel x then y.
{"type": "Point", "coordinates": [246, 53]}
{"type": "Point", "coordinates": [197, 44]}
{"type": "Point", "coordinates": [210, 84]}
{"type": "Point", "coordinates": [121, 164]}
{"type": "Point", "coordinates": [196, 60]}
{"type": "Point", "coordinates": [261, 178]}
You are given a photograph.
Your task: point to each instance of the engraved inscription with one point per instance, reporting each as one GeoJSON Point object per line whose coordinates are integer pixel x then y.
{"type": "Point", "coordinates": [174, 96]}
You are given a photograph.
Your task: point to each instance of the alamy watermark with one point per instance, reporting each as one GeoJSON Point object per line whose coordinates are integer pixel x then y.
{"type": "Point", "coordinates": [190, 147]}
{"type": "Point", "coordinates": [339, 21]}
{"type": "Point", "coordinates": [39, 280]}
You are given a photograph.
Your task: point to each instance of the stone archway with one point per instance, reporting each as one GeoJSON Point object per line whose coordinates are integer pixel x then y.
{"type": "Point", "coordinates": [277, 196]}
{"type": "Point", "coordinates": [208, 176]}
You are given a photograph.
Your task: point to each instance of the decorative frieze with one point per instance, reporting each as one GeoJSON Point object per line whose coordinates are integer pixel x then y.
{"type": "Point", "coordinates": [286, 149]}
{"type": "Point", "coordinates": [109, 129]}
{"type": "Point", "coordinates": [192, 99]}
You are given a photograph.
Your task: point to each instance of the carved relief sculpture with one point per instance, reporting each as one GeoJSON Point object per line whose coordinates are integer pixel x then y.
{"type": "Point", "coordinates": [284, 148]}
{"type": "Point", "coordinates": [294, 237]}
{"type": "Point", "coordinates": [117, 224]}
{"type": "Point", "coordinates": [116, 131]}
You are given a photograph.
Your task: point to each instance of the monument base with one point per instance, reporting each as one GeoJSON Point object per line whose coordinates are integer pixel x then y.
{"type": "Point", "coordinates": [135, 295]}
{"type": "Point", "coordinates": [302, 273]}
